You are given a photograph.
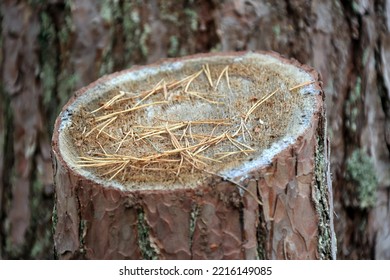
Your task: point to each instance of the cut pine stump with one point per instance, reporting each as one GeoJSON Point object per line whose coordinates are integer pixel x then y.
{"type": "Point", "coordinates": [213, 156]}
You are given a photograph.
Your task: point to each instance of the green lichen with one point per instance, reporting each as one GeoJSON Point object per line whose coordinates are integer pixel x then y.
{"type": "Point", "coordinates": [192, 18]}
{"type": "Point", "coordinates": [11, 250]}
{"type": "Point", "coordinates": [351, 108]}
{"type": "Point", "coordinates": [216, 48]}
{"type": "Point", "coordinates": [110, 10]}
{"type": "Point", "coordinates": [169, 11]}
{"type": "Point", "coordinates": [83, 227]}
{"type": "Point", "coordinates": [134, 35]}
{"type": "Point", "coordinates": [42, 244]}
{"type": "Point", "coordinates": [37, 189]}
{"type": "Point", "coordinates": [144, 40]}
{"type": "Point", "coordinates": [355, 7]}
{"type": "Point", "coordinates": [131, 18]}
{"type": "Point", "coordinates": [131, 24]}
{"type": "Point", "coordinates": [276, 30]}
{"type": "Point", "coordinates": [147, 251]}
{"type": "Point", "coordinates": [357, 90]}
{"type": "Point", "coordinates": [366, 54]}
{"type": "Point", "coordinates": [106, 10]}
{"type": "Point", "coordinates": [321, 202]}
{"type": "Point", "coordinates": [135, 19]}
{"type": "Point", "coordinates": [194, 216]}
{"type": "Point", "coordinates": [54, 218]}
{"type": "Point", "coordinates": [66, 85]}
{"type": "Point", "coordinates": [48, 79]}
{"type": "Point", "coordinates": [107, 65]}
{"type": "Point", "coordinates": [64, 33]}
{"type": "Point", "coordinates": [48, 57]}
{"type": "Point", "coordinates": [40, 232]}
{"type": "Point", "coordinates": [330, 134]}
{"type": "Point", "coordinates": [36, 3]}
{"type": "Point", "coordinates": [55, 74]}
{"type": "Point", "coordinates": [54, 221]}
{"type": "Point", "coordinates": [173, 46]}
{"type": "Point", "coordinates": [360, 170]}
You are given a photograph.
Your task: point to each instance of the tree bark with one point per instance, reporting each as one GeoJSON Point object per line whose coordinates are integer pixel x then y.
{"type": "Point", "coordinates": [44, 60]}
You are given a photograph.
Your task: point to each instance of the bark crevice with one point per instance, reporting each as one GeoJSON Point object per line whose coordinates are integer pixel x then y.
{"type": "Point", "coordinates": [144, 240]}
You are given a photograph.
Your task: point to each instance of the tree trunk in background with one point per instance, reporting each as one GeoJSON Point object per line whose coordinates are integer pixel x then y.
{"type": "Point", "coordinates": [50, 48]}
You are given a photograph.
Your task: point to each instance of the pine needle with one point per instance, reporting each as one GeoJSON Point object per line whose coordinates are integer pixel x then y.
{"type": "Point", "coordinates": [110, 102]}
{"type": "Point", "coordinates": [105, 117]}
{"type": "Point", "coordinates": [107, 124]}
{"type": "Point", "coordinates": [123, 139]}
{"type": "Point", "coordinates": [258, 103]}
{"type": "Point", "coordinates": [199, 95]}
{"type": "Point", "coordinates": [301, 85]}
{"type": "Point", "coordinates": [220, 76]}
{"type": "Point", "coordinates": [157, 87]}
{"type": "Point", "coordinates": [193, 77]}
{"type": "Point", "coordinates": [206, 70]}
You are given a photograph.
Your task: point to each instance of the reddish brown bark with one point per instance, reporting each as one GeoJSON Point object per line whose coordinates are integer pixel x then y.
{"type": "Point", "coordinates": [20, 61]}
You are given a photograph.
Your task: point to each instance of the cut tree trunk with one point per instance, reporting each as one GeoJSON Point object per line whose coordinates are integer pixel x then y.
{"type": "Point", "coordinates": [218, 156]}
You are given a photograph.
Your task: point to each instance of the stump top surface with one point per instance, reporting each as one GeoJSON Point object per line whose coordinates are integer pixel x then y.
{"type": "Point", "coordinates": [172, 124]}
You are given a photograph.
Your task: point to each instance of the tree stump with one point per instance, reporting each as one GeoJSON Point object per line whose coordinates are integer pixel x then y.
{"type": "Point", "coordinates": [213, 156]}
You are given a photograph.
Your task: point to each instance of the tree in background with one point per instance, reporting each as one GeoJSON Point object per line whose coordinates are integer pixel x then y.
{"type": "Point", "coordinates": [50, 48]}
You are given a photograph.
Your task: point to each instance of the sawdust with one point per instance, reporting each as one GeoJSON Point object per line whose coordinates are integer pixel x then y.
{"type": "Point", "coordinates": [177, 126]}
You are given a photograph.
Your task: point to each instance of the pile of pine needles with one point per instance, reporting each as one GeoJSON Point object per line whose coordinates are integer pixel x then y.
{"type": "Point", "coordinates": [173, 145]}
